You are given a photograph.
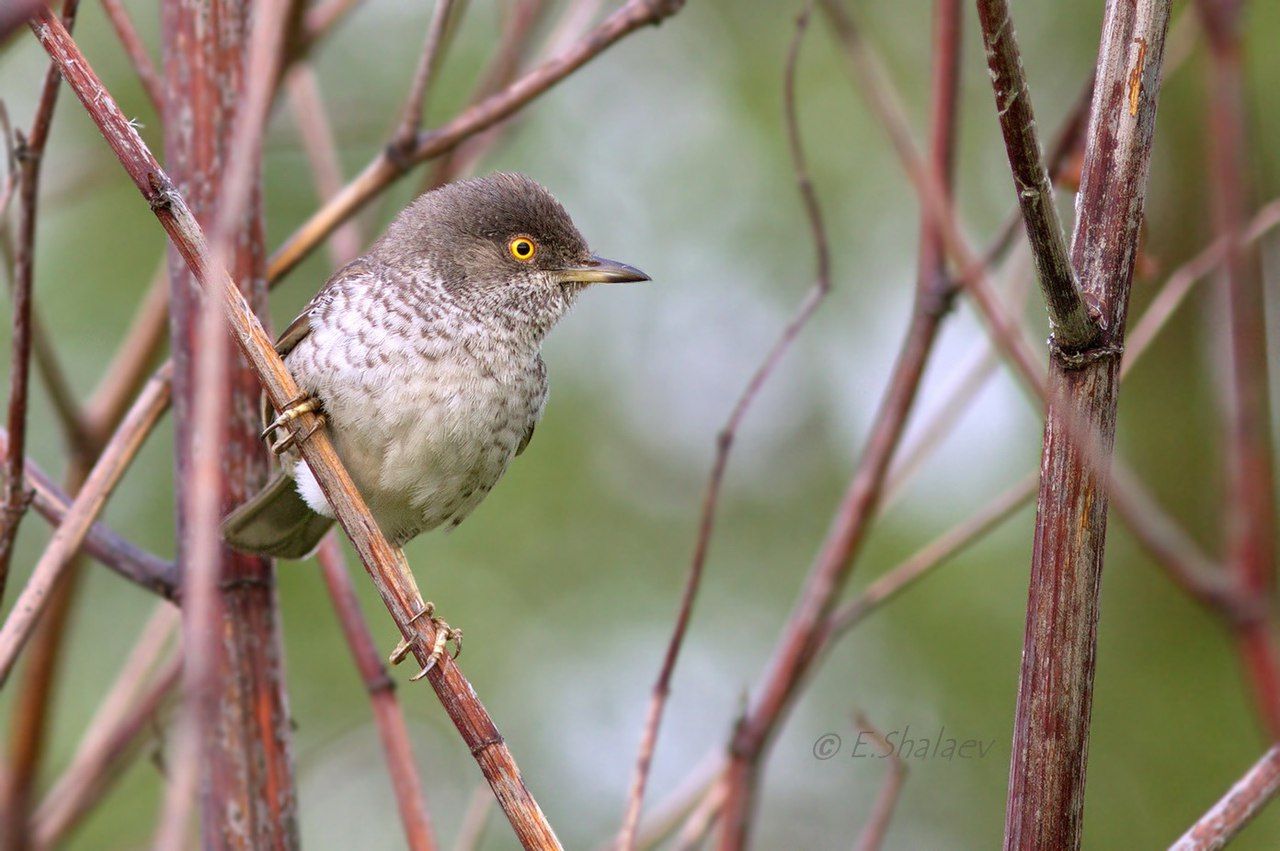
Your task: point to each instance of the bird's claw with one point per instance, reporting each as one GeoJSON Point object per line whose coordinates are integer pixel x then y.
{"type": "Point", "coordinates": [296, 408]}
{"type": "Point", "coordinates": [444, 634]}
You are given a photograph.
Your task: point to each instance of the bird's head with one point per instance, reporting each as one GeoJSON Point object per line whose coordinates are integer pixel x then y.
{"type": "Point", "coordinates": [503, 231]}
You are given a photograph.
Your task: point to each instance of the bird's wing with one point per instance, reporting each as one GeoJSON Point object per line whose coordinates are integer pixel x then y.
{"type": "Point", "coordinates": [294, 334]}
{"type": "Point", "coordinates": [528, 436]}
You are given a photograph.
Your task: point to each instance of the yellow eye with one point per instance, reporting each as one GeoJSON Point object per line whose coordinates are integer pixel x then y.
{"type": "Point", "coordinates": [522, 248]}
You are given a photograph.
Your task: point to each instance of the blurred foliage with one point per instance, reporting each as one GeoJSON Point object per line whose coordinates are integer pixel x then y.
{"type": "Point", "coordinates": [670, 153]}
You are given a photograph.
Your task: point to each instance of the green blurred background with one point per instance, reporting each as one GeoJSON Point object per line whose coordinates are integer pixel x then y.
{"type": "Point", "coordinates": [669, 151]}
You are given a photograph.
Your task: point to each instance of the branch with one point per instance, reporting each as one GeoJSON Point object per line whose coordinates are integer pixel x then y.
{"type": "Point", "coordinates": [386, 565]}
{"type": "Point", "coordinates": [728, 433]}
{"type": "Point", "coordinates": [127, 712]}
{"type": "Point", "coordinates": [137, 52]}
{"type": "Point", "coordinates": [1249, 519]}
{"type": "Point", "coordinates": [315, 132]}
{"type": "Point", "coordinates": [794, 654]}
{"type": "Point", "coordinates": [89, 502]}
{"type": "Point", "coordinates": [405, 782]}
{"type": "Point", "coordinates": [102, 543]}
{"type": "Point", "coordinates": [1237, 808]}
{"type": "Point", "coordinates": [872, 835]}
{"type": "Point", "coordinates": [1173, 549]}
{"type": "Point", "coordinates": [1055, 690]}
{"type": "Point", "coordinates": [29, 153]}
{"type": "Point", "coordinates": [405, 136]}
{"type": "Point", "coordinates": [1072, 327]}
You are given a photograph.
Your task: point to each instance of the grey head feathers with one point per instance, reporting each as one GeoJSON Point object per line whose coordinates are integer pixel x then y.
{"type": "Point", "coordinates": [464, 232]}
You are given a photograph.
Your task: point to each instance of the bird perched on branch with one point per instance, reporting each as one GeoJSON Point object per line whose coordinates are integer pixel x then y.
{"type": "Point", "coordinates": [422, 358]}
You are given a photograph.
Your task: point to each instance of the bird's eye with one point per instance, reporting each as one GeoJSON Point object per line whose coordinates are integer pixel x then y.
{"type": "Point", "coordinates": [522, 248]}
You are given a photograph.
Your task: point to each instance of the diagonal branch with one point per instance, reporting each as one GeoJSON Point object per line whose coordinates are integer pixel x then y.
{"type": "Point", "coordinates": [104, 544]}
{"type": "Point", "coordinates": [385, 564]}
{"type": "Point", "coordinates": [29, 153]}
{"type": "Point", "coordinates": [405, 781]}
{"type": "Point", "coordinates": [1237, 808]}
{"type": "Point", "coordinates": [137, 52]}
{"type": "Point", "coordinates": [88, 503]}
{"type": "Point", "coordinates": [1072, 327]}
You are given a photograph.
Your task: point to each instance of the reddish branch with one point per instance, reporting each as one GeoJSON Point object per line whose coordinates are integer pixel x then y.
{"type": "Point", "coordinates": [1055, 690]}
{"type": "Point", "coordinates": [405, 136]}
{"type": "Point", "coordinates": [405, 782]}
{"type": "Point", "coordinates": [222, 64]}
{"type": "Point", "coordinates": [71, 533]}
{"type": "Point", "coordinates": [724, 443]}
{"type": "Point", "coordinates": [107, 546]}
{"type": "Point", "coordinates": [1237, 808]}
{"type": "Point", "coordinates": [872, 835]}
{"type": "Point", "coordinates": [385, 564]}
{"type": "Point", "coordinates": [137, 52]}
{"type": "Point", "coordinates": [1249, 520]}
{"type": "Point", "coordinates": [795, 653]}
{"type": "Point", "coordinates": [29, 152]}
{"type": "Point", "coordinates": [128, 712]}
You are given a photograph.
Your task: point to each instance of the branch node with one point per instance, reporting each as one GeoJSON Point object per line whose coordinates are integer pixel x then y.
{"type": "Point", "coordinates": [1079, 358]}
{"type": "Point", "coordinates": [242, 582]}
{"type": "Point", "coordinates": [162, 192]}
{"type": "Point", "coordinates": [399, 152]}
{"type": "Point", "coordinates": [486, 743]}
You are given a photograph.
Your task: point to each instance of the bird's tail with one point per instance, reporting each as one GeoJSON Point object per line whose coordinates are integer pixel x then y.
{"type": "Point", "coordinates": [276, 522]}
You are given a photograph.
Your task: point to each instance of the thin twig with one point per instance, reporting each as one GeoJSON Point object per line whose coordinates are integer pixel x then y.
{"type": "Point", "coordinates": [126, 712]}
{"type": "Point", "coordinates": [137, 52]}
{"type": "Point", "coordinates": [513, 43]}
{"type": "Point", "coordinates": [872, 835]}
{"type": "Point", "coordinates": [127, 370]}
{"type": "Point", "coordinates": [475, 819]}
{"type": "Point", "coordinates": [316, 134]}
{"type": "Point", "coordinates": [405, 136]}
{"type": "Point", "coordinates": [794, 652]}
{"type": "Point", "coordinates": [107, 546]}
{"type": "Point", "coordinates": [29, 154]}
{"type": "Point", "coordinates": [386, 565]}
{"type": "Point", "coordinates": [89, 502]}
{"type": "Point", "coordinates": [48, 366]}
{"type": "Point", "coordinates": [1186, 276]}
{"type": "Point", "coordinates": [1236, 809]}
{"type": "Point", "coordinates": [1249, 511]}
{"type": "Point", "coordinates": [405, 781]}
{"type": "Point", "coordinates": [1072, 327]}
{"type": "Point", "coordinates": [930, 556]}
{"type": "Point", "coordinates": [724, 442]}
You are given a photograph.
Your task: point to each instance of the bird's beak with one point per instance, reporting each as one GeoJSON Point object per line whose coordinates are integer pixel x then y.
{"type": "Point", "coordinates": [598, 270]}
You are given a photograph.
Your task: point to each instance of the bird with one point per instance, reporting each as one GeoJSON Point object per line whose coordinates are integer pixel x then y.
{"type": "Point", "coordinates": [422, 359]}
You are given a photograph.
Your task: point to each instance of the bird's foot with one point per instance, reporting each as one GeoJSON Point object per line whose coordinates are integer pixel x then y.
{"type": "Point", "coordinates": [296, 408]}
{"type": "Point", "coordinates": [444, 634]}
